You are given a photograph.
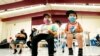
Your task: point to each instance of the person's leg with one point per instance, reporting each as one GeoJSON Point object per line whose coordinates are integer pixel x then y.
{"type": "Point", "coordinates": [63, 46]}
{"type": "Point", "coordinates": [55, 45]}
{"type": "Point", "coordinates": [69, 43]}
{"type": "Point", "coordinates": [13, 46]}
{"type": "Point", "coordinates": [21, 46]}
{"type": "Point", "coordinates": [80, 44]}
{"type": "Point", "coordinates": [50, 40]}
{"type": "Point", "coordinates": [29, 44]}
{"type": "Point", "coordinates": [35, 41]}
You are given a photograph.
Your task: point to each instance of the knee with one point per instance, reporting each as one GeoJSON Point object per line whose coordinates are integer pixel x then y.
{"type": "Point", "coordinates": [69, 35]}
{"type": "Point", "coordinates": [79, 37]}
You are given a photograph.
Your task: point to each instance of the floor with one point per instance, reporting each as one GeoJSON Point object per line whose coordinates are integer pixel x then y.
{"type": "Point", "coordinates": [88, 51]}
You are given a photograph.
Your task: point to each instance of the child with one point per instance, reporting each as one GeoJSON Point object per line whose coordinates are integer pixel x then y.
{"type": "Point", "coordinates": [73, 29]}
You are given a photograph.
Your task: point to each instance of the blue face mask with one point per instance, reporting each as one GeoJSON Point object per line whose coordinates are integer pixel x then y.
{"type": "Point", "coordinates": [72, 19]}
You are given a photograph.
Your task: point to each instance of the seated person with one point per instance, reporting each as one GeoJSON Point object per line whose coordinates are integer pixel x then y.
{"type": "Point", "coordinates": [98, 40]}
{"type": "Point", "coordinates": [33, 33]}
{"type": "Point", "coordinates": [46, 33]}
{"type": "Point", "coordinates": [20, 39]}
{"type": "Point", "coordinates": [74, 29]}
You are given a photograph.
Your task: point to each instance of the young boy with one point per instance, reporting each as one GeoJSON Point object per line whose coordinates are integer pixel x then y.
{"type": "Point", "coordinates": [73, 29]}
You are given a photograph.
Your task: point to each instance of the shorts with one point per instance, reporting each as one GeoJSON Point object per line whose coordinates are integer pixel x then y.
{"type": "Point", "coordinates": [19, 42]}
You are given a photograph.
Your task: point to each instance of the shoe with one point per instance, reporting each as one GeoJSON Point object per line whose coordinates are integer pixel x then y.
{"type": "Point", "coordinates": [63, 51]}
{"type": "Point", "coordinates": [15, 51]}
{"type": "Point", "coordinates": [51, 55]}
{"type": "Point", "coordinates": [55, 51]}
{"type": "Point", "coordinates": [33, 55]}
{"type": "Point", "coordinates": [80, 52]}
{"type": "Point", "coordinates": [20, 51]}
{"type": "Point", "coordinates": [70, 51]}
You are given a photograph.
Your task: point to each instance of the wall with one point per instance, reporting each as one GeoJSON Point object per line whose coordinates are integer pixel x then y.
{"type": "Point", "coordinates": [0, 29]}
{"type": "Point", "coordinates": [11, 28]}
{"type": "Point", "coordinates": [90, 23]}
{"type": "Point", "coordinates": [39, 19]}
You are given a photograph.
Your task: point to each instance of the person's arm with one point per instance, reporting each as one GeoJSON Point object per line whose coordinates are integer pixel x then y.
{"type": "Point", "coordinates": [17, 35]}
{"type": "Point", "coordinates": [30, 37]}
{"type": "Point", "coordinates": [79, 29]}
{"type": "Point", "coordinates": [25, 36]}
{"type": "Point", "coordinates": [53, 30]}
{"type": "Point", "coordinates": [66, 29]}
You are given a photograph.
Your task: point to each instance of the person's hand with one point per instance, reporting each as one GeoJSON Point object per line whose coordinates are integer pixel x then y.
{"type": "Point", "coordinates": [68, 32]}
{"type": "Point", "coordinates": [52, 33]}
{"type": "Point", "coordinates": [77, 30]}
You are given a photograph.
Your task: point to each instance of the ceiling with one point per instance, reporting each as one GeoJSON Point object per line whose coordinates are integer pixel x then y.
{"type": "Point", "coordinates": [12, 8]}
{"type": "Point", "coordinates": [7, 4]}
{"type": "Point", "coordinates": [3, 2]}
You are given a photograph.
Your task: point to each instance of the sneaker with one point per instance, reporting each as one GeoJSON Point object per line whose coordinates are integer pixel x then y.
{"type": "Point", "coordinates": [70, 51]}
{"type": "Point", "coordinates": [80, 52]}
{"type": "Point", "coordinates": [20, 51]}
{"type": "Point", "coordinates": [15, 51]}
{"type": "Point", "coordinates": [55, 51]}
{"type": "Point", "coordinates": [63, 51]}
{"type": "Point", "coordinates": [51, 55]}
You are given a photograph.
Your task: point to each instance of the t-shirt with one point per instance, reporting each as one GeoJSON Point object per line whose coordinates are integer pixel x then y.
{"type": "Point", "coordinates": [71, 27]}
{"type": "Point", "coordinates": [45, 28]}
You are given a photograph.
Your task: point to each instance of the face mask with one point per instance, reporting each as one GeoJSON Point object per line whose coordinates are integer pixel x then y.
{"type": "Point", "coordinates": [72, 19]}
{"type": "Point", "coordinates": [47, 21]}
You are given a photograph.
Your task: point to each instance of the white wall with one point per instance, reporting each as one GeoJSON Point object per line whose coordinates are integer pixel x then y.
{"type": "Point", "coordinates": [0, 29]}
{"type": "Point", "coordinates": [90, 23]}
{"type": "Point", "coordinates": [11, 28]}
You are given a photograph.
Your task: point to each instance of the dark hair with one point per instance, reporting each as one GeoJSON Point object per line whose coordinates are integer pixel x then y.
{"type": "Point", "coordinates": [22, 31]}
{"type": "Point", "coordinates": [34, 29]}
{"type": "Point", "coordinates": [58, 22]}
{"type": "Point", "coordinates": [70, 12]}
{"type": "Point", "coordinates": [46, 15]}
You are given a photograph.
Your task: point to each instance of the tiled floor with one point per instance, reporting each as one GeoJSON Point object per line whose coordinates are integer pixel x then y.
{"type": "Point", "coordinates": [88, 51]}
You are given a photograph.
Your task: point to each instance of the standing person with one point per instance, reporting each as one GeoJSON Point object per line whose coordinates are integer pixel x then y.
{"type": "Point", "coordinates": [33, 33]}
{"type": "Point", "coordinates": [20, 39]}
{"type": "Point", "coordinates": [74, 29]}
{"type": "Point", "coordinates": [47, 33]}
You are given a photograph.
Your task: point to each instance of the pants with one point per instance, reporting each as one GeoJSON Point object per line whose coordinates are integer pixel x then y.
{"type": "Point", "coordinates": [48, 38]}
{"type": "Point", "coordinates": [29, 44]}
